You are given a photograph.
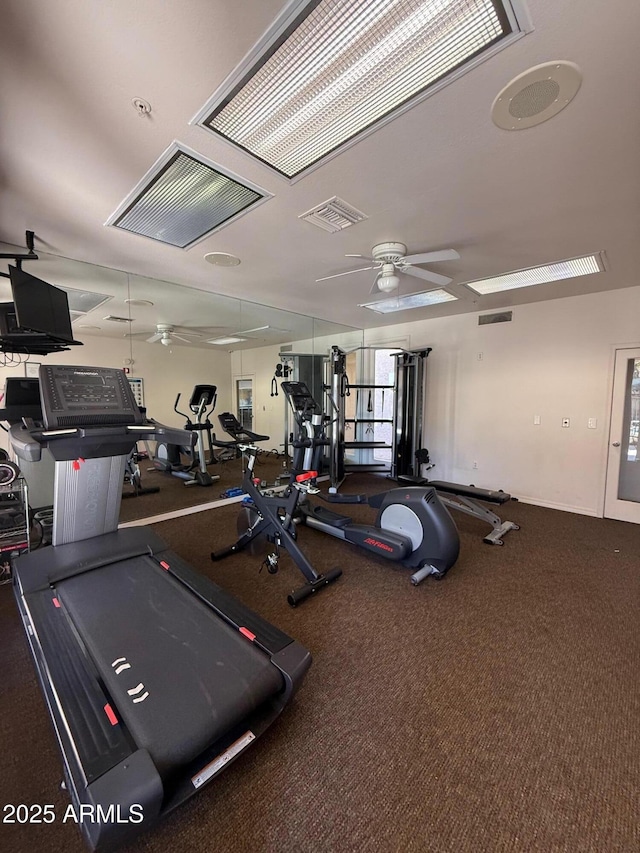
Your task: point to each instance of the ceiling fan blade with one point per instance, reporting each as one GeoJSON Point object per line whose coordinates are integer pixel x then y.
{"type": "Point", "coordinates": [175, 337]}
{"type": "Point", "coordinates": [427, 275]}
{"type": "Point", "coordinates": [257, 329]}
{"type": "Point", "coordinates": [136, 334]}
{"type": "Point", "coordinates": [348, 272]}
{"type": "Point", "coordinates": [432, 257]}
{"type": "Point", "coordinates": [358, 256]}
{"type": "Point", "coordinates": [154, 338]}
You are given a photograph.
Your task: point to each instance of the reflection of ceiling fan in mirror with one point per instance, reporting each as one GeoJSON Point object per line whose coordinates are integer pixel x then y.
{"type": "Point", "coordinates": [165, 333]}
{"type": "Point", "coordinates": [391, 258]}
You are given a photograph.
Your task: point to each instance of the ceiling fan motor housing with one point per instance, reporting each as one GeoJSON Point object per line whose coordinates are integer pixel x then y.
{"type": "Point", "coordinates": [389, 253]}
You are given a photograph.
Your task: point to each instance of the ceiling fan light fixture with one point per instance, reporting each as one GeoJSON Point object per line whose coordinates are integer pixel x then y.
{"type": "Point", "coordinates": [388, 283]}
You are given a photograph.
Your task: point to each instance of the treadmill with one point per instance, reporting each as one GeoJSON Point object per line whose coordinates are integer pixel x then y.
{"type": "Point", "coordinates": [155, 678]}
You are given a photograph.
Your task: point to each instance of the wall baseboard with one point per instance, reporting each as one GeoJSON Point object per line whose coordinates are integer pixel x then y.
{"type": "Point", "coordinates": [580, 510]}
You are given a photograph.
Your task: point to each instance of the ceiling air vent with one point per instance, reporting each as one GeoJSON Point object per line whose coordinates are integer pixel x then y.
{"type": "Point", "coordinates": [498, 317]}
{"type": "Point", "coordinates": [333, 215]}
{"type": "Point", "coordinates": [184, 198]}
{"type": "Point", "coordinates": [114, 319]}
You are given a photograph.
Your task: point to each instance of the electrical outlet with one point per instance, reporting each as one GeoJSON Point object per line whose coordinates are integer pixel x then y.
{"type": "Point", "coordinates": [480, 356]}
{"type": "Point", "coordinates": [536, 420]}
{"type": "Point", "coordinates": [566, 422]}
{"type": "Point", "coordinates": [592, 423]}
{"type": "Point", "coordinates": [475, 464]}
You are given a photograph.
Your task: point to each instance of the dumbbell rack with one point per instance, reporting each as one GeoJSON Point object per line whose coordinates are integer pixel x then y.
{"type": "Point", "coordinates": [14, 524]}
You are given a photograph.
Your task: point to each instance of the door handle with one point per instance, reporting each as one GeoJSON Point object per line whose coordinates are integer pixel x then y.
{"type": "Point", "coordinates": [616, 444]}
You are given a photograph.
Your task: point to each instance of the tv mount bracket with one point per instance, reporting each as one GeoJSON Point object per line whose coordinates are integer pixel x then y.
{"type": "Point", "coordinates": [19, 258]}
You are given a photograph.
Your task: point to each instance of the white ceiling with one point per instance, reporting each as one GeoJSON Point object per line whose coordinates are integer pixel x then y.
{"type": "Point", "coordinates": [441, 175]}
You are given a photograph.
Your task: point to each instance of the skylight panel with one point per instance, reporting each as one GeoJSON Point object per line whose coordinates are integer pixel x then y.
{"type": "Point", "coordinates": [339, 68]}
{"type": "Point", "coordinates": [539, 275]}
{"type": "Point", "coordinates": [411, 300]}
{"type": "Point", "coordinates": [184, 198]}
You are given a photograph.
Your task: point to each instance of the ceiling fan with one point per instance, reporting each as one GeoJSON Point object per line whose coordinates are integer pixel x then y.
{"type": "Point", "coordinates": [166, 334]}
{"type": "Point", "coordinates": [391, 258]}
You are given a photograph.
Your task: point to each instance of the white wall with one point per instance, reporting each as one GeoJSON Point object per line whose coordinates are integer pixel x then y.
{"type": "Point", "coordinates": [555, 359]}
{"type": "Point", "coordinates": [166, 371]}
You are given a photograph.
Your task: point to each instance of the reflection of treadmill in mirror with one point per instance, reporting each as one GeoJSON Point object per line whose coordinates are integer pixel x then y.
{"type": "Point", "coordinates": [38, 321]}
{"type": "Point", "coordinates": [21, 400]}
{"type": "Point", "coordinates": [155, 678]}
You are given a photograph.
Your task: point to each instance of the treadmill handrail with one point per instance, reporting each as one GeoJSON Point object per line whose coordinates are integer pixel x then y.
{"type": "Point", "coordinates": [28, 442]}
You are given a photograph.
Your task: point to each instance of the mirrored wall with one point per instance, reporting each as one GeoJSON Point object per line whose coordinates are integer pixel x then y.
{"type": "Point", "coordinates": [170, 338]}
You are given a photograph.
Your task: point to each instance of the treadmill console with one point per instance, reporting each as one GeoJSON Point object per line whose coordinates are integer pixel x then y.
{"type": "Point", "coordinates": [86, 396]}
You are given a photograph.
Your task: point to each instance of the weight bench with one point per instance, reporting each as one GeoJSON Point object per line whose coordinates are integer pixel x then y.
{"type": "Point", "coordinates": [465, 499]}
{"type": "Point", "coordinates": [232, 426]}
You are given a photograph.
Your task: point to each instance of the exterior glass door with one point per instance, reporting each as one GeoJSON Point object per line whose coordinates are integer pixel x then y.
{"type": "Point", "coordinates": [622, 495]}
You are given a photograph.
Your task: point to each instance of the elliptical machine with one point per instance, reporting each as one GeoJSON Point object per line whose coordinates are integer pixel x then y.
{"type": "Point", "coordinates": [168, 457]}
{"type": "Point", "coordinates": [412, 526]}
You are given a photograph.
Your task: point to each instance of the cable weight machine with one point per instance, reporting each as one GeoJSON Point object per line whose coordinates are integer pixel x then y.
{"type": "Point", "coordinates": [407, 454]}
{"type": "Point", "coordinates": [407, 392]}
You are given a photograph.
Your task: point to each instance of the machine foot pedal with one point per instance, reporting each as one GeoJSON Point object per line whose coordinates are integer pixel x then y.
{"type": "Point", "coordinates": [425, 572]}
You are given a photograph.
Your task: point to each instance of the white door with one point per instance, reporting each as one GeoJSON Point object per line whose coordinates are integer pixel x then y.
{"type": "Point", "coordinates": [622, 493]}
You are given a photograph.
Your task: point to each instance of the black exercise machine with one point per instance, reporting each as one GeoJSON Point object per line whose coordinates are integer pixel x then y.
{"type": "Point", "coordinates": [155, 678]}
{"type": "Point", "coordinates": [240, 435]}
{"type": "Point", "coordinates": [133, 476]}
{"type": "Point", "coordinates": [412, 526]}
{"type": "Point", "coordinates": [465, 499]}
{"type": "Point", "coordinates": [168, 456]}
{"type": "Point", "coordinates": [272, 518]}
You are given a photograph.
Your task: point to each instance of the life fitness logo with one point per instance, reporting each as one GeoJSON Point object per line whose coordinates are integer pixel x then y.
{"type": "Point", "coordinates": [378, 544]}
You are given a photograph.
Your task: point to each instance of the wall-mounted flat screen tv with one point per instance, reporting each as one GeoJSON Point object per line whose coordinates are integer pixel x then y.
{"type": "Point", "coordinates": [40, 307]}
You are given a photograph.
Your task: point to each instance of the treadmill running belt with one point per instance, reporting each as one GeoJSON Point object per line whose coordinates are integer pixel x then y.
{"type": "Point", "coordinates": [179, 675]}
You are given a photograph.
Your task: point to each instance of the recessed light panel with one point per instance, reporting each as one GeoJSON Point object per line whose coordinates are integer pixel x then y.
{"type": "Point", "coordinates": [83, 301]}
{"type": "Point", "coordinates": [183, 199]}
{"type": "Point", "coordinates": [539, 275]}
{"type": "Point", "coordinates": [412, 300]}
{"type": "Point", "coordinates": [328, 71]}
{"type": "Point", "coordinates": [229, 340]}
